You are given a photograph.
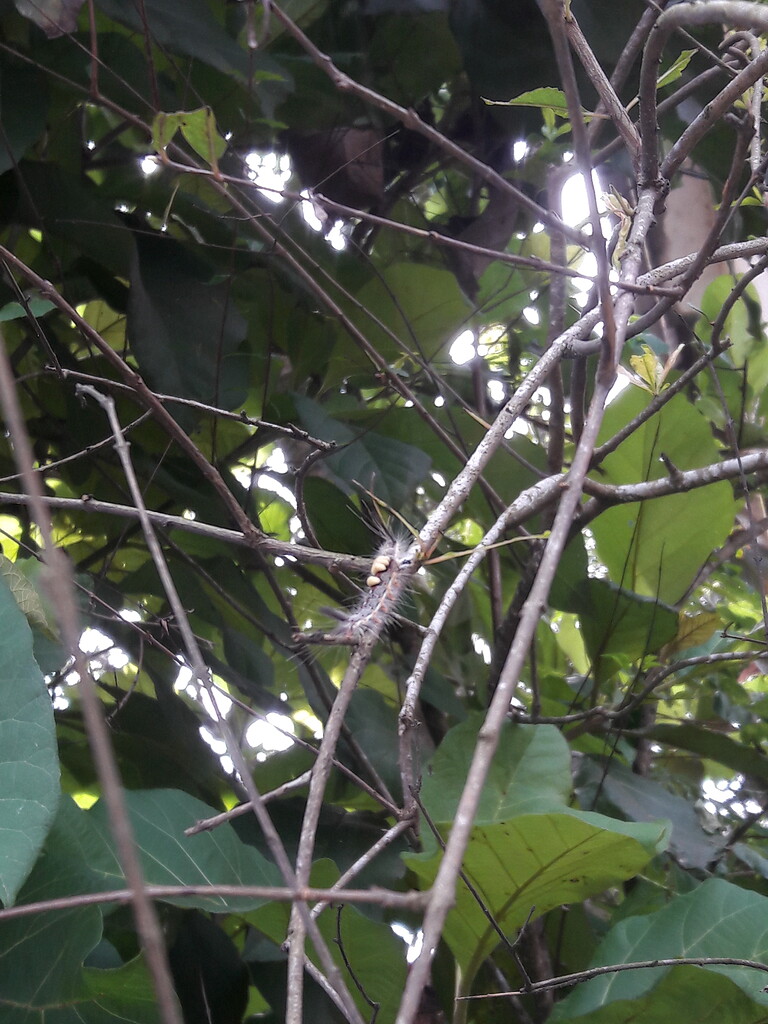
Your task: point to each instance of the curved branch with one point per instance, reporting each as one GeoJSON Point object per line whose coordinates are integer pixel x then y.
{"type": "Point", "coordinates": [737, 13]}
{"type": "Point", "coordinates": [605, 495]}
{"type": "Point", "coordinates": [566, 980]}
{"type": "Point", "coordinates": [410, 119]}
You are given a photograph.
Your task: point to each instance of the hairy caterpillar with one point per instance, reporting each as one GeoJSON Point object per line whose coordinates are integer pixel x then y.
{"type": "Point", "coordinates": [392, 566]}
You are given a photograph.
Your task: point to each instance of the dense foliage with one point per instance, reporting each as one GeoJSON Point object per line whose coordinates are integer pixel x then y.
{"type": "Point", "coordinates": [294, 317]}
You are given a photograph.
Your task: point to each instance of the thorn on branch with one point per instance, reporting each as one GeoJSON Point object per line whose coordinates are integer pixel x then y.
{"type": "Point", "coordinates": [674, 473]}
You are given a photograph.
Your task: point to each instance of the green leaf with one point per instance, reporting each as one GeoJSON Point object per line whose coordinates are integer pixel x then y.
{"type": "Point", "coordinates": [694, 630]}
{"type": "Point", "coordinates": [685, 995]}
{"type": "Point", "coordinates": [675, 70]}
{"type": "Point", "coordinates": [617, 626]}
{"type": "Point", "coordinates": [614, 789]}
{"type": "Point", "coordinates": [183, 328]}
{"type": "Point", "coordinates": [545, 99]}
{"type": "Point", "coordinates": [23, 108]}
{"type": "Point", "coordinates": [190, 28]}
{"type": "Point", "coordinates": [745, 335]}
{"type": "Point", "coordinates": [118, 994]}
{"type": "Point", "coordinates": [528, 849]}
{"type": "Point", "coordinates": [649, 547]}
{"type": "Point", "coordinates": [684, 928]}
{"type": "Point", "coordinates": [164, 127]}
{"type": "Point", "coordinates": [428, 310]}
{"type": "Point", "coordinates": [199, 129]}
{"type": "Point", "coordinates": [29, 764]}
{"type": "Point", "coordinates": [217, 857]}
{"type": "Point", "coordinates": [530, 772]}
{"type": "Point", "coordinates": [15, 311]}
{"type": "Point", "coordinates": [392, 468]}
{"type": "Point", "coordinates": [714, 746]}
{"type": "Point", "coordinates": [751, 858]}
{"type": "Point", "coordinates": [61, 940]}
{"type": "Point", "coordinates": [26, 595]}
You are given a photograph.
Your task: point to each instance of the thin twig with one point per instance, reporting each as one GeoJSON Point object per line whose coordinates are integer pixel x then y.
{"type": "Point", "coordinates": [684, 480]}
{"type": "Point", "coordinates": [443, 888]}
{"type": "Point", "coordinates": [201, 673]}
{"type": "Point", "coordinates": [164, 418]}
{"type": "Point", "coordinates": [291, 431]}
{"type": "Point", "coordinates": [566, 980]}
{"type": "Point", "coordinates": [59, 582]}
{"type": "Point", "coordinates": [362, 862]}
{"type": "Point", "coordinates": [374, 896]}
{"type": "Point", "coordinates": [410, 119]}
{"type": "Point", "coordinates": [277, 548]}
{"type": "Point", "coordinates": [320, 774]}
{"type": "Point", "coordinates": [731, 12]}
{"type": "Point", "coordinates": [608, 99]}
{"type": "Point", "coordinates": [207, 824]}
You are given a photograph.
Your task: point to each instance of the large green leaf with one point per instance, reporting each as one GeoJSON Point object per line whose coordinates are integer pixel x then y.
{"type": "Point", "coordinates": [42, 977]}
{"type": "Point", "coordinates": [714, 746]}
{"type": "Point", "coordinates": [189, 28]}
{"type": "Point", "coordinates": [23, 107]}
{"type": "Point", "coordinates": [687, 996]}
{"type": "Point", "coordinates": [614, 789]}
{"type": "Point", "coordinates": [390, 467]}
{"type": "Point", "coordinates": [747, 351]}
{"type": "Point", "coordinates": [650, 547]}
{"type": "Point", "coordinates": [116, 994]}
{"type": "Point", "coordinates": [121, 994]}
{"type": "Point", "coordinates": [48, 196]}
{"type": "Point", "coordinates": [218, 857]}
{"type": "Point", "coordinates": [529, 851]}
{"type": "Point", "coordinates": [183, 328]}
{"type": "Point", "coordinates": [717, 919]}
{"type": "Point", "coordinates": [29, 764]}
{"type": "Point", "coordinates": [530, 773]}
{"type": "Point", "coordinates": [428, 309]}
{"type": "Point", "coordinates": [25, 593]}
{"type": "Point", "coordinates": [617, 625]}
{"type": "Point", "coordinates": [531, 865]}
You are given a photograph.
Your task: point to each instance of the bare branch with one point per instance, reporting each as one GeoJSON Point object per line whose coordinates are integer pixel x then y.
{"type": "Point", "coordinates": [566, 980]}
{"type": "Point", "coordinates": [410, 119]}
{"type": "Point", "coordinates": [374, 896]}
{"type": "Point", "coordinates": [61, 589]}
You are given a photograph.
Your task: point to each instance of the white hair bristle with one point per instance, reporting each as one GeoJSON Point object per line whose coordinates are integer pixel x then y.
{"type": "Point", "coordinates": [392, 565]}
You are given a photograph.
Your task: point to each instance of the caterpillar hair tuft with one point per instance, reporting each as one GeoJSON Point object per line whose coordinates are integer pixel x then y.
{"type": "Point", "coordinates": [392, 566]}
